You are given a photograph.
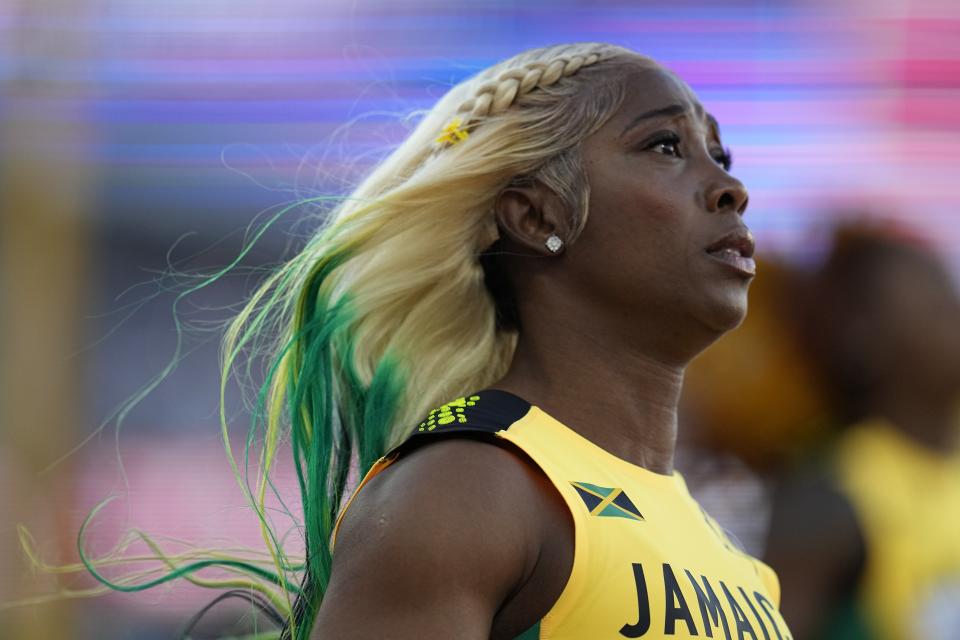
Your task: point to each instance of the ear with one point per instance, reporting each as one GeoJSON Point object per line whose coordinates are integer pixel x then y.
{"type": "Point", "coordinates": [527, 213]}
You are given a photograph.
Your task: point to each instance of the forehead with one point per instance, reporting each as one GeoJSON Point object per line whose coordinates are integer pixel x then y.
{"type": "Point", "coordinates": [649, 87]}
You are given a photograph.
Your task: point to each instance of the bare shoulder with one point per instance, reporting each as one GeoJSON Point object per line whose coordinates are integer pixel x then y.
{"type": "Point", "coordinates": [435, 488]}
{"type": "Point", "coordinates": [436, 543]}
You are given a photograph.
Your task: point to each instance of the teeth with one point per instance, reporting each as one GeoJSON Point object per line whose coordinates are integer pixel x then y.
{"type": "Point", "coordinates": [731, 252]}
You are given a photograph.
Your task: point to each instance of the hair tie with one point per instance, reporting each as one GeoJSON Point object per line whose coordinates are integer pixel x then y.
{"type": "Point", "coordinates": [453, 132]}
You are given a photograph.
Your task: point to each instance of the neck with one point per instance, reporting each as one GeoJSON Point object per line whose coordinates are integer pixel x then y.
{"type": "Point", "coordinates": [591, 378]}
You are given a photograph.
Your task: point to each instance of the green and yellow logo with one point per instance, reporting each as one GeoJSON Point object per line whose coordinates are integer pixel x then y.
{"type": "Point", "coordinates": [448, 413]}
{"type": "Point", "coordinates": [607, 502]}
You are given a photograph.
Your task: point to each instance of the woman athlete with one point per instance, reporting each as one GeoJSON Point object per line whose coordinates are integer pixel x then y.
{"type": "Point", "coordinates": [587, 188]}
{"type": "Point", "coordinates": [494, 327]}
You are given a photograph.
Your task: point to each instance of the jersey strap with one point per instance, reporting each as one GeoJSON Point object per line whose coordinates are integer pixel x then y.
{"type": "Point", "coordinates": [483, 412]}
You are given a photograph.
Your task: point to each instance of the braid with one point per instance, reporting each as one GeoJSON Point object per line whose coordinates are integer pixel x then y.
{"type": "Point", "coordinates": [496, 96]}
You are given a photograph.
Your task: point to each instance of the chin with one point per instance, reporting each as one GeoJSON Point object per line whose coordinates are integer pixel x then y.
{"type": "Point", "coordinates": [726, 314]}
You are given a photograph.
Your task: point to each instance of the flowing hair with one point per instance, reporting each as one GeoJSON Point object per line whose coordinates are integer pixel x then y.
{"type": "Point", "coordinates": [397, 304]}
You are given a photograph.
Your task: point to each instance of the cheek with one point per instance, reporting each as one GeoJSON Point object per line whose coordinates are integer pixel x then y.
{"type": "Point", "coordinates": [644, 216]}
{"type": "Point", "coordinates": [642, 206]}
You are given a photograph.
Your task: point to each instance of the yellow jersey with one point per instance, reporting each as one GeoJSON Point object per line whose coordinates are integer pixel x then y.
{"type": "Point", "coordinates": [907, 502]}
{"type": "Point", "coordinates": [649, 562]}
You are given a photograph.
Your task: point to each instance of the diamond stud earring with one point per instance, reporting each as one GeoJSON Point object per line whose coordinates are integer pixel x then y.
{"type": "Point", "coordinates": [554, 243]}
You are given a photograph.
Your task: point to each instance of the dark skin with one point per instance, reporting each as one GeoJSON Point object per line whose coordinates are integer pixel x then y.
{"type": "Point", "coordinates": [815, 541]}
{"type": "Point", "coordinates": [608, 326]}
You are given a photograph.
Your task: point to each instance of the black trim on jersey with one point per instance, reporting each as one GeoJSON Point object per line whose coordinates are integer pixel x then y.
{"type": "Point", "coordinates": [477, 414]}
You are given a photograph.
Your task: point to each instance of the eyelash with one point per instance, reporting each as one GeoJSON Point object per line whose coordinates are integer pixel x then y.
{"type": "Point", "coordinates": [724, 158]}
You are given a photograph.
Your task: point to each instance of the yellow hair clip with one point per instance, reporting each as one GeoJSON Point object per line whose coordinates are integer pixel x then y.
{"type": "Point", "coordinates": [453, 132]}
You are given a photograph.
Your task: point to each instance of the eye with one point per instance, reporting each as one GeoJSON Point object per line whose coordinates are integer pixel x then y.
{"type": "Point", "coordinates": [667, 144]}
{"type": "Point", "coordinates": [723, 157]}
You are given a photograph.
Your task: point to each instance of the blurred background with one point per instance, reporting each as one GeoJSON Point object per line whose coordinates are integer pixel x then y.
{"type": "Point", "coordinates": [142, 139]}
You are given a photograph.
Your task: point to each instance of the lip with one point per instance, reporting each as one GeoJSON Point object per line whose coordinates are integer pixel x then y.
{"type": "Point", "coordinates": [735, 250]}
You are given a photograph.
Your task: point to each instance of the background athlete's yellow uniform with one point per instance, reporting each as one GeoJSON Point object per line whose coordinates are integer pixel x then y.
{"type": "Point", "coordinates": [907, 502]}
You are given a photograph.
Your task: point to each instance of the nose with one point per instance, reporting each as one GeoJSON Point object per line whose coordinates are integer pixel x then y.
{"type": "Point", "coordinates": [727, 193]}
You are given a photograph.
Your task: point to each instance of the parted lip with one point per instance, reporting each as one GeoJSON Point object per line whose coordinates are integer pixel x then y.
{"type": "Point", "coordinates": [740, 240]}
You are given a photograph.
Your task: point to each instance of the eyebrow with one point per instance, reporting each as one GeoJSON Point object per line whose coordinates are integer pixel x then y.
{"type": "Point", "coordinates": [669, 110]}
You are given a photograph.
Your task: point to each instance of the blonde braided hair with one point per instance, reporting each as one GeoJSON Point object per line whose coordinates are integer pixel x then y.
{"type": "Point", "coordinates": [495, 96]}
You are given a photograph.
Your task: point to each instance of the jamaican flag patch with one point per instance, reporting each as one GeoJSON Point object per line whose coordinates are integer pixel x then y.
{"type": "Point", "coordinates": [607, 502]}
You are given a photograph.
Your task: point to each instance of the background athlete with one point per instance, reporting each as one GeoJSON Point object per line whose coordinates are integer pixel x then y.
{"type": "Point", "coordinates": [865, 539]}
